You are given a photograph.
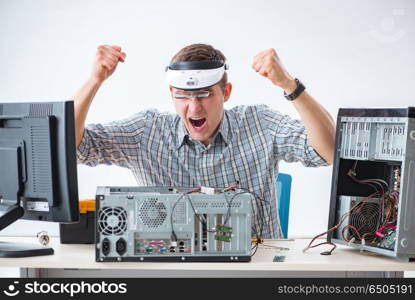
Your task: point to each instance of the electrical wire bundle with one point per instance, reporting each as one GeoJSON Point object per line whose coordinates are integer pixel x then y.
{"type": "Point", "coordinates": [203, 221]}
{"type": "Point", "coordinates": [385, 222]}
{"type": "Point", "coordinates": [262, 210]}
{"type": "Point", "coordinates": [260, 207]}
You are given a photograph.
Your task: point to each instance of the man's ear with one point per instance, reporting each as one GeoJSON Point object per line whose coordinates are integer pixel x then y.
{"type": "Point", "coordinates": [227, 92]}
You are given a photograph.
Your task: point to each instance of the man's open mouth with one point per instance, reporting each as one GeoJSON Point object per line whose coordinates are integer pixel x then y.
{"type": "Point", "coordinates": [197, 122]}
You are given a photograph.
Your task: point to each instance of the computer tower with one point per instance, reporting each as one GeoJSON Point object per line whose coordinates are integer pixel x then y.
{"type": "Point", "coordinates": [164, 224]}
{"type": "Point", "coordinates": [372, 205]}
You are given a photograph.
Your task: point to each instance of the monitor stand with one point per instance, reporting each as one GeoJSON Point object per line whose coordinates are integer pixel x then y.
{"type": "Point", "coordinates": [11, 163]}
{"type": "Point", "coordinates": [9, 214]}
{"type": "Point", "coordinates": [13, 249]}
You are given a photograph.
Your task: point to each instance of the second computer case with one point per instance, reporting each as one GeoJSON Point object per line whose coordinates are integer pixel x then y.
{"type": "Point", "coordinates": [375, 151]}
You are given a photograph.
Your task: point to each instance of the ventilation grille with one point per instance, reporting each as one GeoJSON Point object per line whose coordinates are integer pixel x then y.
{"type": "Point", "coordinates": [390, 141]}
{"type": "Point", "coordinates": [373, 140]}
{"type": "Point", "coordinates": [40, 110]}
{"type": "Point", "coordinates": [152, 212]}
{"type": "Point", "coordinates": [365, 218]}
{"type": "Point", "coordinates": [356, 140]}
{"type": "Point", "coordinates": [112, 220]}
{"type": "Point", "coordinates": [180, 213]}
{"type": "Point", "coordinates": [39, 138]}
{"type": "Point", "coordinates": [221, 204]}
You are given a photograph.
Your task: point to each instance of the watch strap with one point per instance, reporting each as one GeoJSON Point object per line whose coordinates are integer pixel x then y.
{"type": "Point", "coordinates": [297, 92]}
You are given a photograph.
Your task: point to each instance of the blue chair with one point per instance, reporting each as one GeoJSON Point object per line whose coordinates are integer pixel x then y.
{"type": "Point", "coordinates": [283, 193]}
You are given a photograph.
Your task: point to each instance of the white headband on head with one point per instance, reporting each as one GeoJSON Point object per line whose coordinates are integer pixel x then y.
{"type": "Point", "coordinates": [195, 75]}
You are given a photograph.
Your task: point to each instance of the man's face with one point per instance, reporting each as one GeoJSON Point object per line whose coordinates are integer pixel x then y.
{"type": "Point", "coordinates": [200, 114]}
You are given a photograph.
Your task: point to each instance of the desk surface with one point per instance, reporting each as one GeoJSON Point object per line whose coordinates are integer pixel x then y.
{"type": "Point", "coordinates": [342, 259]}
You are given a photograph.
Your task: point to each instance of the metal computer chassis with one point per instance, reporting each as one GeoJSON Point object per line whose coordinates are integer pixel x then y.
{"type": "Point", "coordinates": [135, 224]}
{"type": "Point", "coordinates": [382, 142]}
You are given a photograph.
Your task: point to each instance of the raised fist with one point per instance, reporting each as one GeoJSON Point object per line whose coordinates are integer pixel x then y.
{"type": "Point", "coordinates": [268, 64]}
{"type": "Point", "coordinates": [106, 62]}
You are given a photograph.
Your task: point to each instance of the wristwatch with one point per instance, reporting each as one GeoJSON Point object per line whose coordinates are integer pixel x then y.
{"type": "Point", "coordinates": [297, 92]}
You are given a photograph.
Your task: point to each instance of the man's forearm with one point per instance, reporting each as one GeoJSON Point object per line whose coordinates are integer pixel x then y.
{"type": "Point", "coordinates": [318, 122]}
{"type": "Point", "coordinates": [106, 61]}
{"type": "Point", "coordinates": [82, 100]}
{"type": "Point", "coordinates": [319, 125]}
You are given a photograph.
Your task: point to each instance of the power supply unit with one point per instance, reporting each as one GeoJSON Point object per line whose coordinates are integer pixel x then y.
{"type": "Point", "coordinates": [372, 205]}
{"type": "Point", "coordinates": [165, 224]}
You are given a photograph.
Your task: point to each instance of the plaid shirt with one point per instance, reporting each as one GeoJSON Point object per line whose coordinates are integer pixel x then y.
{"type": "Point", "coordinates": [250, 142]}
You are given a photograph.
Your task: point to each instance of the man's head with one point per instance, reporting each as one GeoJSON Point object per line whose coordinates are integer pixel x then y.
{"type": "Point", "coordinates": [201, 110]}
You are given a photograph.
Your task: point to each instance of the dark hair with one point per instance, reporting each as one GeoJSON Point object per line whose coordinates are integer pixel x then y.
{"type": "Point", "coordinates": [197, 52]}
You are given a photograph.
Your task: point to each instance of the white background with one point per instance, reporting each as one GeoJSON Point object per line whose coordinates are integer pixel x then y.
{"type": "Point", "coordinates": [348, 54]}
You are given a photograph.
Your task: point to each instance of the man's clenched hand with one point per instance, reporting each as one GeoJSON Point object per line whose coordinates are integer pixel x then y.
{"type": "Point", "coordinates": [268, 64]}
{"type": "Point", "coordinates": [106, 61]}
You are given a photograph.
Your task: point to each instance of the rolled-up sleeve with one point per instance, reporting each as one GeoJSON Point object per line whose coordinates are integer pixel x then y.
{"type": "Point", "coordinates": [114, 143]}
{"type": "Point", "coordinates": [290, 140]}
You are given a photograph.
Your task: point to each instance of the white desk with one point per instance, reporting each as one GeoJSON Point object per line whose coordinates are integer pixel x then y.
{"type": "Point", "coordinates": [79, 261]}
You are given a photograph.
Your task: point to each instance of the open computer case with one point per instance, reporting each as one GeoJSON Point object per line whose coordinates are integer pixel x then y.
{"type": "Point", "coordinates": [372, 201]}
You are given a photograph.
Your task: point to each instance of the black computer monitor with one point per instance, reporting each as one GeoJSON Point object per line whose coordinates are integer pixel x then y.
{"type": "Point", "coordinates": [38, 175]}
